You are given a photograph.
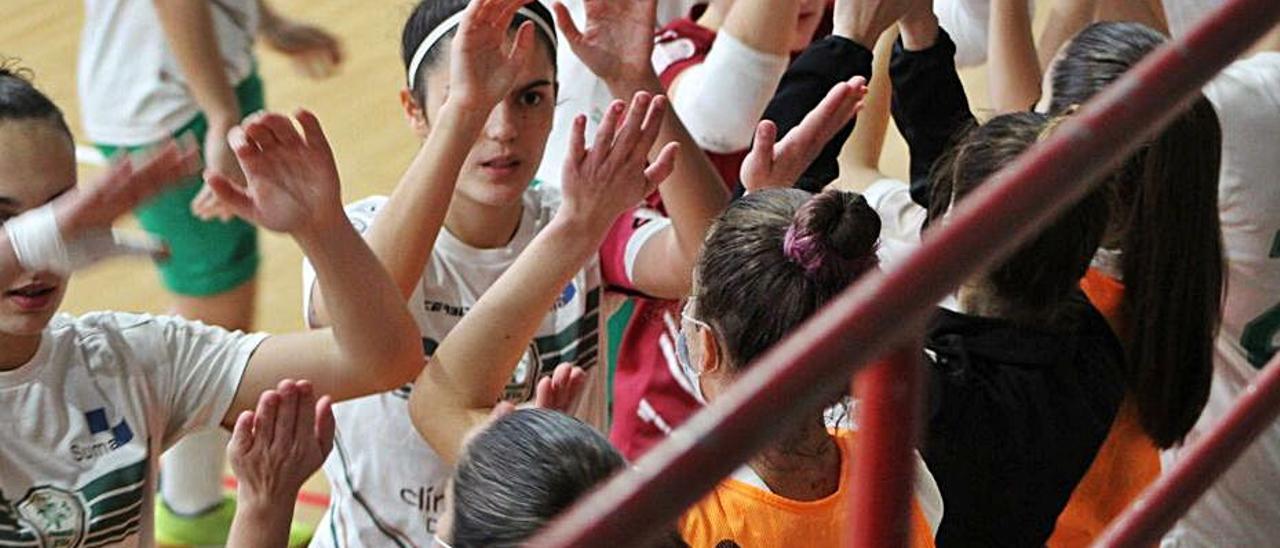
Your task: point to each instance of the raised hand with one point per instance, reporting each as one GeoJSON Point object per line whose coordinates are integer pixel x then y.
{"type": "Point", "coordinates": [206, 206]}
{"type": "Point", "coordinates": [485, 62]}
{"type": "Point", "coordinates": [219, 158]}
{"type": "Point", "coordinates": [292, 180]}
{"type": "Point", "coordinates": [315, 52]}
{"type": "Point", "coordinates": [126, 184]}
{"type": "Point", "coordinates": [778, 165]}
{"type": "Point", "coordinates": [273, 450]}
{"type": "Point", "coordinates": [74, 230]}
{"type": "Point", "coordinates": [863, 21]}
{"type": "Point", "coordinates": [560, 389]}
{"type": "Point", "coordinates": [617, 40]}
{"type": "Point", "coordinates": [600, 183]}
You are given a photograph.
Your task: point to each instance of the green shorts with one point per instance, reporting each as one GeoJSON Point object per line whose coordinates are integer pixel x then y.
{"type": "Point", "coordinates": [206, 257]}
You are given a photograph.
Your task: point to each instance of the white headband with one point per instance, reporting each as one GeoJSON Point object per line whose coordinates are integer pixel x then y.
{"type": "Point", "coordinates": [453, 22]}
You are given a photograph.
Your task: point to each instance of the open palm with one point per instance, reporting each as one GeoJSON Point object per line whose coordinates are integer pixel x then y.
{"type": "Point", "coordinates": [485, 62]}
{"type": "Point", "coordinates": [773, 164]}
{"type": "Point", "coordinates": [601, 182]}
{"type": "Point", "coordinates": [617, 41]}
{"type": "Point", "coordinates": [128, 183]}
{"type": "Point", "coordinates": [292, 178]}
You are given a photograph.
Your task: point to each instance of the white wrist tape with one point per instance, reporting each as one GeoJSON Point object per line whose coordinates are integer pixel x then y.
{"type": "Point", "coordinates": [37, 242]}
{"type": "Point", "coordinates": [721, 100]}
{"type": "Point", "coordinates": [40, 247]}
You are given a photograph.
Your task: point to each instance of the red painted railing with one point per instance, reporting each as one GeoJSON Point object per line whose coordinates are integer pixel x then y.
{"type": "Point", "coordinates": [889, 404]}
{"type": "Point", "coordinates": [1177, 489]}
{"type": "Point", "coordinates": [883, 310]}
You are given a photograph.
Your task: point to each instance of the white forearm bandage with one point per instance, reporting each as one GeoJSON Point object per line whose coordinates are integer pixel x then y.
{"type": "Point", "coordinates": [721, 100]}
{"type": "Point", "coordinates": [40, 247]}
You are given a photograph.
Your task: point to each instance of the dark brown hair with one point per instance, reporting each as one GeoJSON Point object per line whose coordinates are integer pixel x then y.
{"type": "Point", "coordinates": [429, 14]}
{"type": "Point", "coordinates": [774, 258]}
{"type": "Point", "coordinates": [1033, 283]}
{"type": "Point", "coordinates": [1165, 220]}
{"type": "Point", "coordinates": [20, 100]}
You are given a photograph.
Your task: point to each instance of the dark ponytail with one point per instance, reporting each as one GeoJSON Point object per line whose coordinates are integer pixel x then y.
{"type": "Point", "coordinates": [1165, 220]}
{"type": "Point", "coordinates": [1031, 285]}
{"type": "Point", "coordinates": [1173, 273]}
{"type": "Point", "coordinates": [20, 100]}
{"type": "Point", "coordinates": [774, 258]}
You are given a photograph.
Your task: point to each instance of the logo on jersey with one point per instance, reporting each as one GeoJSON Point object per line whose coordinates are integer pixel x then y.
{"type": "Point", "coordinates": [671, 49]}
{"type": "Point", "coordinates": [105, 511]}
{"type": "Point", "coordinates": [525, 378]}
{"type": "Point", "coordinates": [445, 308]}
{"type": "Point", "coordinates": [120, 434]}
{"type": "Point", "coordinates": [56, 515]}
{"type": "Point", "coordinates": [566, 296]}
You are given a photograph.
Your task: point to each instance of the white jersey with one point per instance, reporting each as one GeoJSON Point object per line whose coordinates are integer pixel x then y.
{"type": "Point", "coordinates": [132, 91]}
{"type": "Point", "coordinates": [1242, 508]}
{"type": "Point", "coordinates": [89, 415]}
{"type": "Point", "coordinates": [1182, 15]}
{"type": "Point", "coordinates": [387, 484]}
{"type": "Point", "coordinates": [901, 222]}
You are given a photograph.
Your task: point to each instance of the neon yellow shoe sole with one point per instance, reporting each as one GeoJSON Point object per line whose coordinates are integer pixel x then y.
{"type": "Point", "coordinates": [212, 527]}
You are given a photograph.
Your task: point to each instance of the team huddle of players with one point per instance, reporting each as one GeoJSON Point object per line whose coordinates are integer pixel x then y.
{"type": "Point", "coordinates": [615, 208]}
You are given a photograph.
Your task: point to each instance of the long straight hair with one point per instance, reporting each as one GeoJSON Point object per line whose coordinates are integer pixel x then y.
{"type": "Point", "coordinates": [1165, 219]}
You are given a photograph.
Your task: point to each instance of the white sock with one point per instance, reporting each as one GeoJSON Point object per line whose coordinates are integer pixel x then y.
{"type": "Point", "coordinates": [191, 472]}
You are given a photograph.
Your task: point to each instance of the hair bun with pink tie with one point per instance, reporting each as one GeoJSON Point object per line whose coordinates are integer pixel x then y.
{"type": "Point", "coordinates": [833, 236]}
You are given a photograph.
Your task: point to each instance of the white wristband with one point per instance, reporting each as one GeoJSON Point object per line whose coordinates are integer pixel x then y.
{"type": "Point", "coordinates": [37, 241]}
{"type": "Point", "coordinates": [721, 100]}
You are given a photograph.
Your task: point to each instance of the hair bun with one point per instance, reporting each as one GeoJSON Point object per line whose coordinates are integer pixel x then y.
{"type": "Point", "coordinates": [834, 235]}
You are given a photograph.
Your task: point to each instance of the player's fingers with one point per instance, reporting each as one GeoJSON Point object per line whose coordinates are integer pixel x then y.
{"type": "Point", "coordinates": [325, 426]}
{"type": "Point", "coordinates": [313, 131]}
{"type": "Point", "coordinates": [661, 167]}
{"type": "Point", "coordinates": [629, 133]}
{"type": "Point", "coordinates": [233, 197]}
{"type": "Point", "coordinates": [564, 20]}
{"type": "Point", "coordinates": [287, 417]}
{"type": "Point", "coordinates": [242, 434]}
{"type": "Point", "coordinates": [264, 426]}
{"type": "Point", "coordinates": [608, 127]}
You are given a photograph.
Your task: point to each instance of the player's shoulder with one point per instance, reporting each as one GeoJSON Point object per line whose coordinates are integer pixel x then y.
{"type": "Point", "coordinates": [113, 333]}
{"type": "Point", "coordinates": [104, 322]}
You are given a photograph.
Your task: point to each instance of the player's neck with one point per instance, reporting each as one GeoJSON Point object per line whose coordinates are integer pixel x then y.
{"type": "Point", "coordinates": [483, 226]}
{"type": "Point", "coordinates": [17, 350]}
{"type": "Point", "coordinates": [804, 466]}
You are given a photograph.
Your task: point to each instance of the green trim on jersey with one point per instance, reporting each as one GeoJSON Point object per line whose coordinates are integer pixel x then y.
{"type": "Point", "coordinates": [616, 328]}
{"type": "Point", "coordinates": [107, 510]}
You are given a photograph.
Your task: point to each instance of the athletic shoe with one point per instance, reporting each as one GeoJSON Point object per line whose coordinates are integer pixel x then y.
{"type": "Point", "coordinates": [211, 527]}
